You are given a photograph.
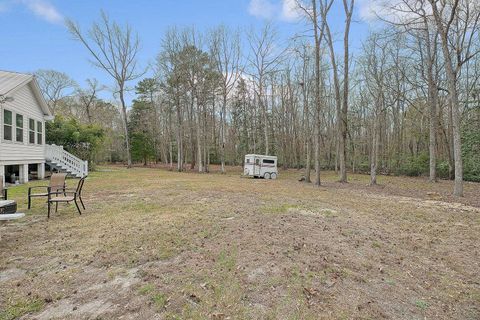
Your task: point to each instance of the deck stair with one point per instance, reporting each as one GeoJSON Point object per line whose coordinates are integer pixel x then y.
{"type": "Point", "coordinates": [57, 158]}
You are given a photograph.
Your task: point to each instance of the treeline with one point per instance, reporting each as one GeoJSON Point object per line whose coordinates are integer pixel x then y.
{"type": "Point", "coordinates": [407, 102]}
{"type": "Point", "coordinates": [86, 125]}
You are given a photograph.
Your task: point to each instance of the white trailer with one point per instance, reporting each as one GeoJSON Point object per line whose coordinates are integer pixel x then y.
{"type": "Point", "coordinates": [260, 166]}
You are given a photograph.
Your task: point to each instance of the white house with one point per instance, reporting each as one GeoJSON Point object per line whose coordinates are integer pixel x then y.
{"type": "Point", "coordinates": [23, 113]}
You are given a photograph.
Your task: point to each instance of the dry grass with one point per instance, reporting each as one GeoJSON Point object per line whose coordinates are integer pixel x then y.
{"type": "Point", "coordinates": [160, 244]}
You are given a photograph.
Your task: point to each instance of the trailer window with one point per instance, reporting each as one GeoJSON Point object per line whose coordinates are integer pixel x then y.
{"type": "Point", "coordinates": [257, 161]}
{"type": "Point", "coordinates": [248, 160]}
{"type": "Point", "coordinates": [268, 161]}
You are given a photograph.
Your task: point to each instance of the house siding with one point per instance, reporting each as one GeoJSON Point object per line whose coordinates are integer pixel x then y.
{"type": "Point", "coordinates": [11, 152]}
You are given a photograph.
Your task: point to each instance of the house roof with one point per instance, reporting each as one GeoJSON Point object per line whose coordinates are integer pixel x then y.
{"type": "Point", "coordinates": [9, 81]}
{"type": "Point", "coordinates": [12, 81]}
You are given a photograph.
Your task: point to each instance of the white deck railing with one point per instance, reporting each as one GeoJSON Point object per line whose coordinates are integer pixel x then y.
{"type": "Point", "coordinates": [57, 155]}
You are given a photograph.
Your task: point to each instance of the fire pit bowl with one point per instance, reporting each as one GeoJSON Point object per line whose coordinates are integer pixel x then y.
{"type": "Point", "coordinates": [8, 206]}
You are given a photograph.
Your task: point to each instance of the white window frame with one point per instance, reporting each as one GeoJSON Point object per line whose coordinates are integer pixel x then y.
{"type": "Point", "coordinates": [12, 126]}
{"type": "Point", "coordinates": [23, 128]}
{"type": "Point", "coordinates": [34, 130]}
{"type": "Point", "coordinates": [40, 133]}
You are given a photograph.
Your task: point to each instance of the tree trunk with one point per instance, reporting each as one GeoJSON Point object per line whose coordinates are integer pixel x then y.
{"type": "Point", "coordinates": [344, 112]}
{"type": "Point", "coordinates": [432, 92]}
{"type": "Point", "coordinates": [308, 138]}
{"type": "Point", "coordinates": [265, 125]}
{"type": "Point", "coordinates": [453, 97]}
{"type": "Point", "coordinates": [317, 95]}
{"type": "Point", "coordinates": [125, 125]}
{"type": "Point", "coordinates": [432, 101]}
{"type": "Point", "coordinates": [179, 137]}
{"type": "Point", "coordinates": [375, 150]}
{"type": "Point", "coordinates": [198, 119]}
{"type": "Point", "coordinates": [308, 161]}
{"type": "Point", "coordinates": [223, 120]}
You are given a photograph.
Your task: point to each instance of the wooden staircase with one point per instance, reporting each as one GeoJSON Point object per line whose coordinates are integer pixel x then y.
{"type": "Point", "coordinates": [64, 161]}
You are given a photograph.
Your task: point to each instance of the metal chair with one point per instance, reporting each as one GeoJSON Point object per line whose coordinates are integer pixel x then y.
{"type": "Point", "coordinates": [57, 182]}
{"type": "Point", "coordinates": [66, 195]}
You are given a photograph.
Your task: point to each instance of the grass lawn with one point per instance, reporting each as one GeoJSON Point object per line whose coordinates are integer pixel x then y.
{"type": "Point", "coordinates": [155, 244]}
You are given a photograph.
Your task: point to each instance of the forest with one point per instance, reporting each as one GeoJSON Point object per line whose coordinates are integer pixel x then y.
{"type": "Point", "coordinates": [406, 103]}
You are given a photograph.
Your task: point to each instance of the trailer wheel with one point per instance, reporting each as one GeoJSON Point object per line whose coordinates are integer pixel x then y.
{"type": "Point", "coordinates": [266, 176]}
{"type": "Point", "coordinates": [273, 176]}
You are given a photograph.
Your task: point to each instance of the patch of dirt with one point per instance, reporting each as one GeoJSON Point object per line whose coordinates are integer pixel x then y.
{"type": "Point", "coordinates": [431, 204]}
{"type": "Point", "coordinates": [417, 187]}
{"type": "Point", "coordinates": [11, 274]}
{"type": "Point", "coordinates": [92, 299]}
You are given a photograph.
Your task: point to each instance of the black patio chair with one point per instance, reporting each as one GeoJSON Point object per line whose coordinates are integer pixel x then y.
{"type": "Point", "coordinates": [66, 196]}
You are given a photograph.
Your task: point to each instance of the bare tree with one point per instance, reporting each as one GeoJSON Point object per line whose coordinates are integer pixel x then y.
{"type": "Point", "coordinates": [304, 81]}
{"type": "Point", "coordinates": [374, 69]}
{"type": "Point", "coordinates": [54, 86]}
{"type": "Point", "coordinates": [348, 7]}
{"type": "Point", "coordinates": [312, 14]}
{"type": "Point", "coordinates": [88, 97]}
{"type": "Point", "coordinates": [114, 49]}
{"type": "Point", "coordinates": [318, 38]}
{"type": "Point", "coordinates": [264, 61]}
{"type": "Point", "coordinates": [457, 24]}
{"type": "Point", "coordinates": [171, 83]}
{"type": "Point", "coordinates": [430, 44]}
{"type": "Point", "coordinates": [341, 106]}
{"type": "Point", "coordinates": [225, 47]}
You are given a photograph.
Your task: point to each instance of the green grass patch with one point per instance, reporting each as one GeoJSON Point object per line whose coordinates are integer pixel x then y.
{"type": "Point", "coordinates": [421, 304]}
{"type": "Point", "coordinates": [20, 308]}
{"type": "Point", "coordinates": [278, 209]}
{"type": "Point", "coordinates": [328, 213]}
{"type": "Point", "coordinates": [226, 260]}
{"type": "Point", "coordinates": [146, 289]}
{"type": "Point", "coordinates": [160, 300]}
{"type": "Point", "coordinates": [376, 244]}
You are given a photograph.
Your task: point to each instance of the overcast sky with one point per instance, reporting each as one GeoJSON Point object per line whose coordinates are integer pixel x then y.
{"type": "Point", "coordinates": [33, 35]}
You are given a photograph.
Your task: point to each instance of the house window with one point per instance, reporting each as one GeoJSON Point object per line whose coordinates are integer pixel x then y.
{"type": "Point", "coordinates": [7, 125]}
{"type": "Point", "coordinates": [39, 133]}
{"type": "Point", "coordinates": [19, 127]}
{"type": "Point", "coordinates": [31, 131]}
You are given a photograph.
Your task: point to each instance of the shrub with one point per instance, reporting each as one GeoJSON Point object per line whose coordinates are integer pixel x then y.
{"type": "Point", "coordinates": [363, 166]}
{"type": "Point", "coordinates": [471, 153]}
{"type": "Point", "coordinates": [443, 170]}
{"type": "Point", "coordinates": [81, 140]}
{"type": "Point", "coordinates": [414, 166]}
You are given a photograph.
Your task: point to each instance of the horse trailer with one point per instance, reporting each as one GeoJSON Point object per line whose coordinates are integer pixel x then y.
{"type": "Point", "coordinates": [260, 166]}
